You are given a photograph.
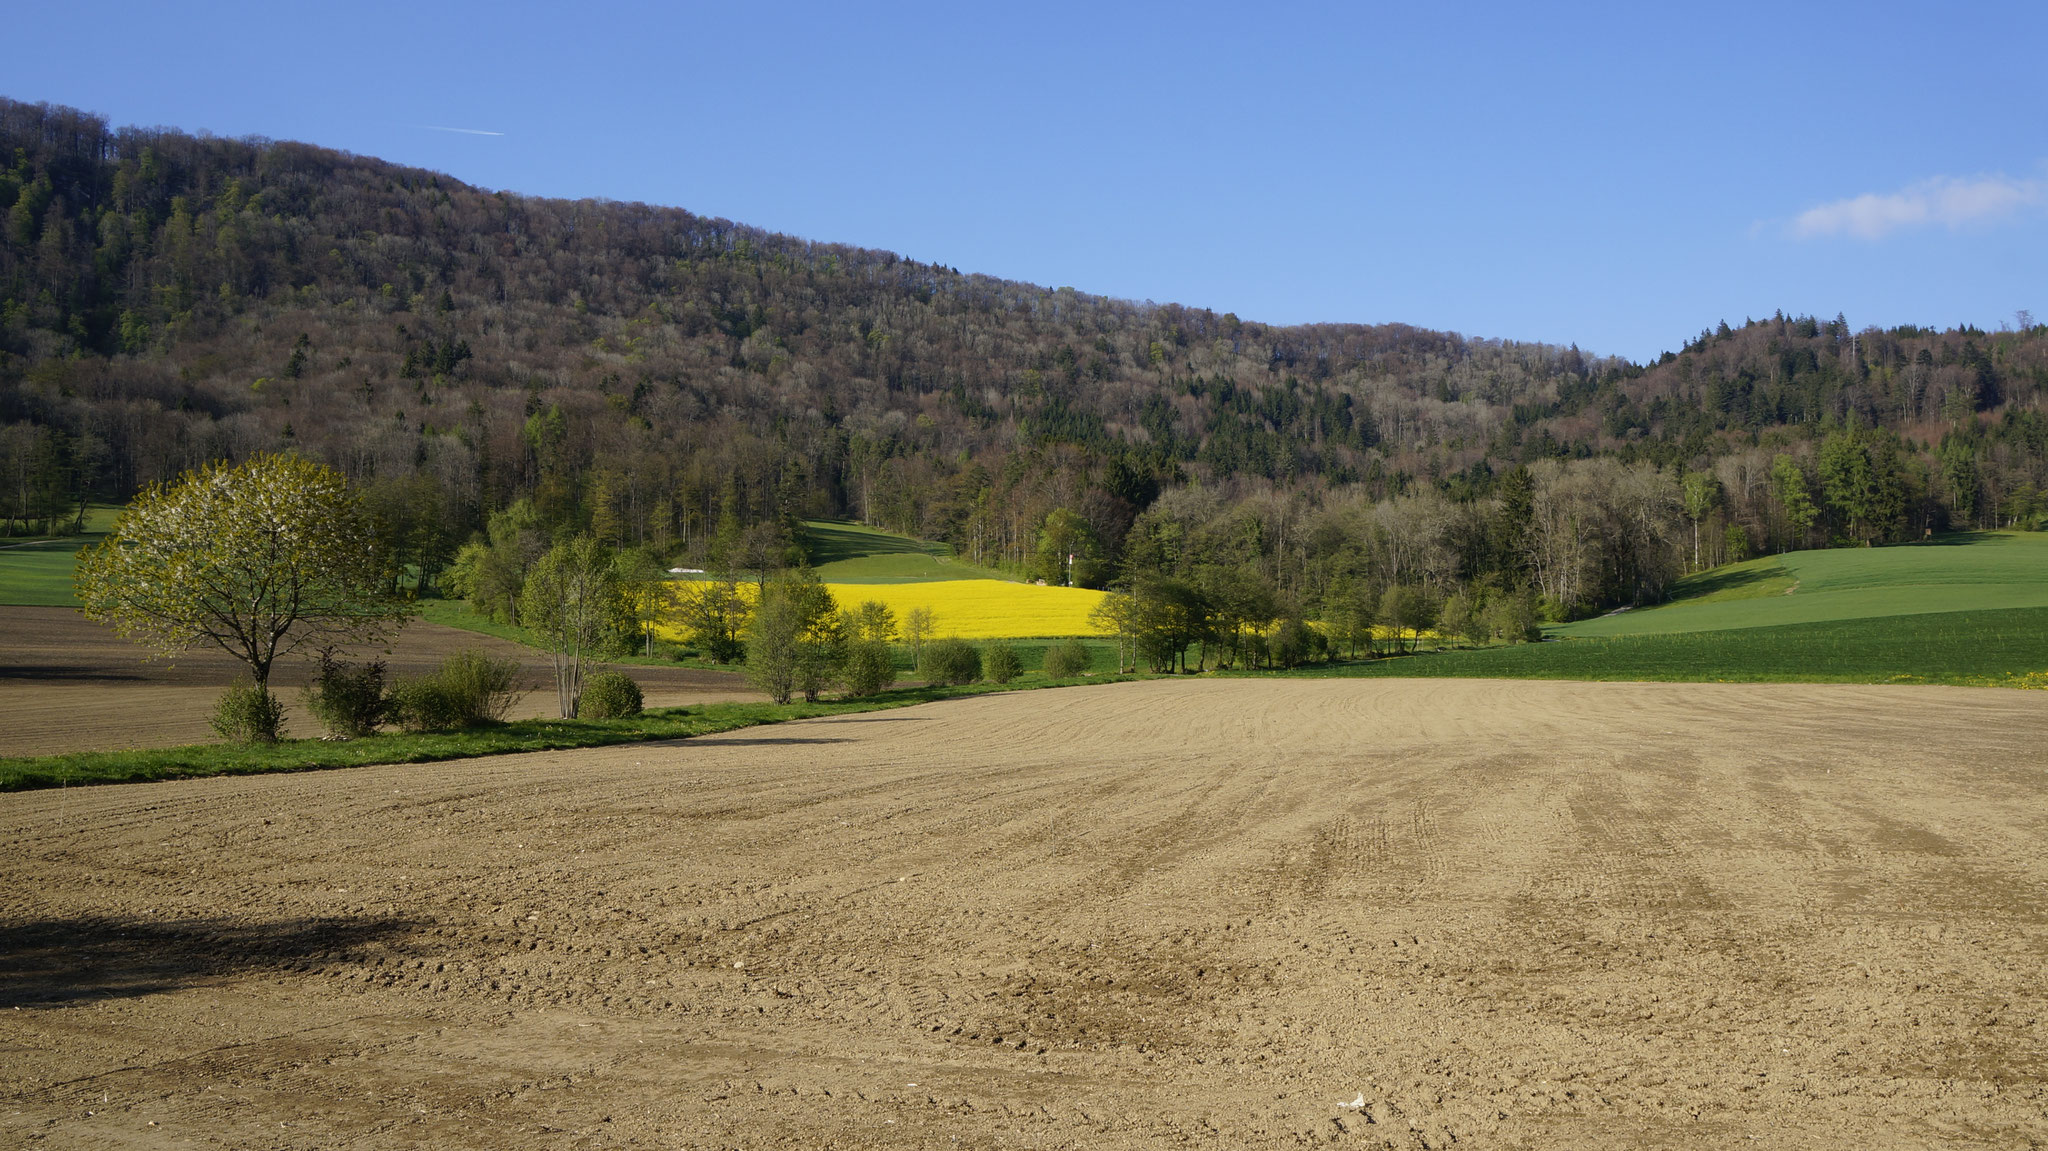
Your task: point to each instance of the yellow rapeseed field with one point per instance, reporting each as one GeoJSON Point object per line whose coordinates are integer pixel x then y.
{"type": "Point", "coordinates": [984, 608]}
{"type": "Point", "coordinates": [975, 608]}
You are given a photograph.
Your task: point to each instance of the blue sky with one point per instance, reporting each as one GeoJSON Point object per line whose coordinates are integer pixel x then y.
{"type": "Point", "coordinates": [1619, 176]}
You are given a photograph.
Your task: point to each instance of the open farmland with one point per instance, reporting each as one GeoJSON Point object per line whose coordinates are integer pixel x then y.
{"type": "Point", "coordinates": [1161, 914]}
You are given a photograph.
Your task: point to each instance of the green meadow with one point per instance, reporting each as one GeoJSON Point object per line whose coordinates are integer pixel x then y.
{"type": "Point", "coordinates": [1964, 609]}
{"type": "Point", "coordinates": [37, 572]}
{"type": "Point", "coordinates": [1971, 572]}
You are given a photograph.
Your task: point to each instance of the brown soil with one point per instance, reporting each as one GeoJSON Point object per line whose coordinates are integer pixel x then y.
{"type": "Point", "coordinates": [1226, 914]}
{"type": "Point", "coordinates": [69, 684]}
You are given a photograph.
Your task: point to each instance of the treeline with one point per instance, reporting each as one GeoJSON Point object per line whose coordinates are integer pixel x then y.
{"type": "Point", "coordinates": [645, 375]}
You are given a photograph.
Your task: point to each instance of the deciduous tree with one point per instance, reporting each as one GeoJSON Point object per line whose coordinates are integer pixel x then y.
{"type": "Point", "coordinates": [575, 604]}
{"type": "Point", "coordinates": [260, 559]}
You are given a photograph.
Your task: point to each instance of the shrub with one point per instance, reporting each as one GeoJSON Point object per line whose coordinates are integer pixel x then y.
{"type": "Point", "coordinates": [1000, 663]}
{"type": "Point", "coordinates": [609, 695]}
{"type": "Point", "coordinates": [870, 667]}
{"type": "Point", "coordinates": [1512, 617]}
{"type": "Point", "coordinates": [472, 688]}
{"type": "Point", "coordinates": [484, 686]}
{"type": "Point", "coordinates": [953, 661]}
{"type": "Point", "coordinates": [348, 699]}
{"type": "Point", "coordinates": [247, 713]}
{"type": "Point", "coordinates": [1067, 660]}
{"type": "Point", "coordinates": [1290, 645]}
{"type": "Point", "coordinates": [424, 703]}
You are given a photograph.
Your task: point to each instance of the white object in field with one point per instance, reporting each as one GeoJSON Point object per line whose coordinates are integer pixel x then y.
{"type": "Point", "coordinates": [1357, 1104]}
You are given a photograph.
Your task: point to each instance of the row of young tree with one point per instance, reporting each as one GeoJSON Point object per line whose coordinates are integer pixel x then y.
{"type": "Point", "coordinates": [515, 372]}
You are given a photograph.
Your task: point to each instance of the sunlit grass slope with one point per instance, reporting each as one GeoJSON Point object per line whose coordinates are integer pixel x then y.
{"type": "Point", "coordinates": [1989, 571]}
{"type": "Point", "coordinates": [843, 552]}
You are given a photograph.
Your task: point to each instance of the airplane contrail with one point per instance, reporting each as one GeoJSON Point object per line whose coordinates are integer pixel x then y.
{"type": "Point", "coordinates": [464, 131]}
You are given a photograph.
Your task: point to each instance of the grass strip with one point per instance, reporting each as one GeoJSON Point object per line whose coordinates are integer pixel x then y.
{"type": "Point", "coordinates": [206, 759]}
{"type": "Point", "coordinates": [2006, 648]}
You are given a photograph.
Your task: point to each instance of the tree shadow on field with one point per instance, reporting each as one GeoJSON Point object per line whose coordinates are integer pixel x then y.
{"type": "Point", "coordinates": [829, 543]}
{"type": "Point", "coordinates": [1955, 539]}
{"type": "Point", "coordinates": [1714, 582]}
{"type": "Point", "coordinates": [47, 672]}
{"type": "Point", "coordinates": [774, 741]}
{"type": "Point", "coordinates": [60, 962]}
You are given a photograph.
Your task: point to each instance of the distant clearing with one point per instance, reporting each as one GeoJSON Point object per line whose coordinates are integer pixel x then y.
{"type": "Point", "coordinates": [853, 554]}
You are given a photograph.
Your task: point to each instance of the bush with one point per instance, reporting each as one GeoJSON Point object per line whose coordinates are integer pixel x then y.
{"type": "Point", "coordinates": [248, 713]}
{"type": "Point", "coordinates": [1290, 645]}
{"type": "Point", "coordinates": [348, 699]}
{"type": "Point", "coordinates": [1512, 617]}
{"type": "Point", "coordinates": [472, 688]}
{"type": "Point", "coordinates": [952, 661]}
{"type": "Point", "coordinates": [870, 667]}
{"type": "Point", "coordinates": [1000, 664]}
{"type": "Point", "coordinates": [609, 695]}
{"type": "Point", "coordinates": [483, 686]}
{"type": "Point", "coordinates": [422, 703]}
{"type": "Point", "coordinates": [1067, 660]}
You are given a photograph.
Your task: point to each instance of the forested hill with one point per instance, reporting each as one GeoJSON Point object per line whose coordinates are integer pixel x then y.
{"type": "Point", "coordinates": [639, 372]}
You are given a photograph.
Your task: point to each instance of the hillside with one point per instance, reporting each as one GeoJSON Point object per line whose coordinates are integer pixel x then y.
{"type": "Point", "coordinates": [649, 376]}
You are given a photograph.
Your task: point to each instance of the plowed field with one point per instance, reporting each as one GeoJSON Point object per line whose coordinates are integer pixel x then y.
{"type": "Point", "coordinates": [1221, 914]}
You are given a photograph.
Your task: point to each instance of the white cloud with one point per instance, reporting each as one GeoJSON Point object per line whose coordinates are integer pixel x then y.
{"type": "Point", "coordinates": [1948, 201]}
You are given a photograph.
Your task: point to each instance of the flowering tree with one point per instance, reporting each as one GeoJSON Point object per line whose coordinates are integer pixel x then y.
{"type": "Point", "coordinates": [261, 559]}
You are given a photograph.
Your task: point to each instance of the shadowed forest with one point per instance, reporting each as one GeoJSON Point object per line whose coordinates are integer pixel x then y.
{"type": "Point", "coordinates": [513, 370]}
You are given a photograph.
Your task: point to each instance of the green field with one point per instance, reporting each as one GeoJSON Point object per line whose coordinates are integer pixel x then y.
{"type": "Point", "coordinates": [1969, 572]}
{"type": "Point", "coordinates": [39, 574]}
{"type": "Point", "coordinates": [1972, 648]}
{"type": "Point", "coordinates": [843, 552]}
